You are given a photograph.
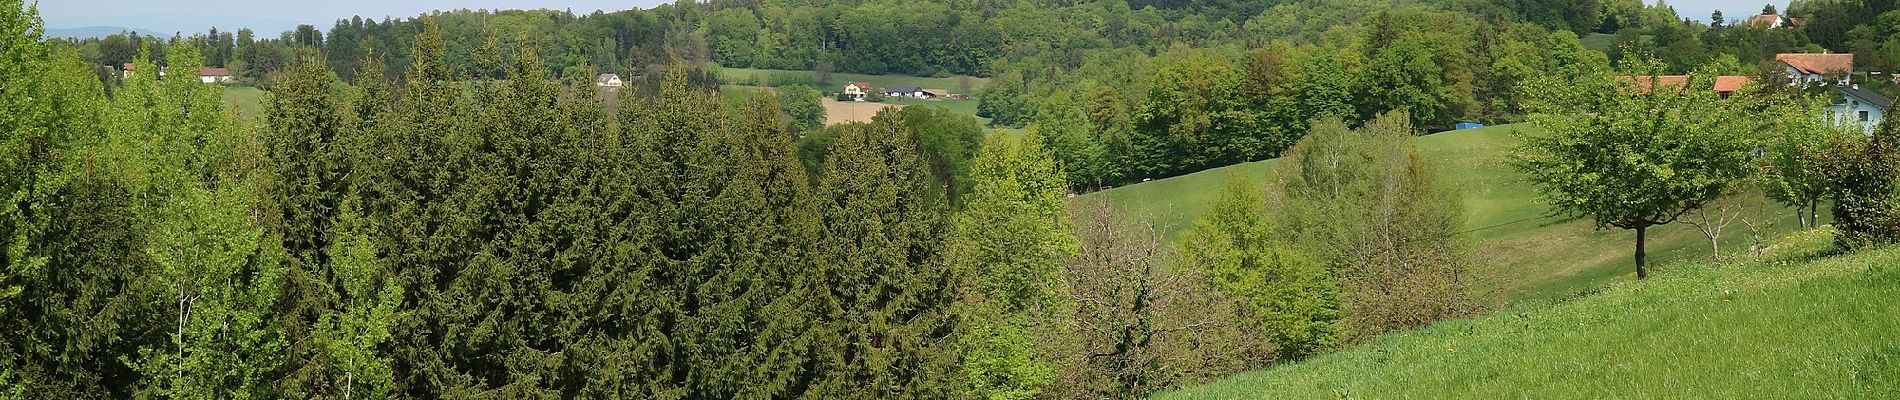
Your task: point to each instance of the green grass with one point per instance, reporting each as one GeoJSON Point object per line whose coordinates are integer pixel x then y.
{"type": "Point", "coordinates": [1520, 253]}
{"type": "Point", "coordinates": [751, 76]}
{"type": "Point", "coordinates": [1783, 326]}
{"type": "Point", "coordinates": [248, 100]}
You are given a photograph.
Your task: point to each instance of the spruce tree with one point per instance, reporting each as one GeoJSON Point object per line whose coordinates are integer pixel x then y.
{"type": "Point", "coordinates": [885, 296]}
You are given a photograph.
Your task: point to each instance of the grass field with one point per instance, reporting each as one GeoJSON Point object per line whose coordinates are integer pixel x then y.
{"type": "Point", "coordinates": [1778, 327]}
{"type": "Point", "coordinates": [1520, 253]}
{"type": "Point", "coordinates": [248, 100]}
{"type": "Point", "coordinates": [753, 76]}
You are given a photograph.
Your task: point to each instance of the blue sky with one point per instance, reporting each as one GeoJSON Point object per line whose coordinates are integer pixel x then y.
{"type": "Point", "coordinates": [271, 16]}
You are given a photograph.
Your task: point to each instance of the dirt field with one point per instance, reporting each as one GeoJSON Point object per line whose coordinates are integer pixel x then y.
{"type": "Point", "coordinates": [838, 112]}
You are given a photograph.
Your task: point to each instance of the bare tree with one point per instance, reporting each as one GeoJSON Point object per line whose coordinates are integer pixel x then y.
{"type": "Point", "coordinates": [1140, 324]}
{"type": "Point", "coordinates": [1714, 218]}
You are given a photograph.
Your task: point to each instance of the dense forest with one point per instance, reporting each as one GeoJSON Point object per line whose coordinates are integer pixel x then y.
{"type": "Point", "coordinates": [1120, 90]}
{"type": "Point", "coordinates": [445, 206]}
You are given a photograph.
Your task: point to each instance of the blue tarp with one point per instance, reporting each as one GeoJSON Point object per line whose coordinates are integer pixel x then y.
{"type": "Point", "coordinates": [1467, 125]}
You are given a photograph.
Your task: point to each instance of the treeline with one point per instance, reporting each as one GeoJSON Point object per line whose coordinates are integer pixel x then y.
{"type": "Point", "coordinates": [430, 237]}
{"type": "Point", "coordinates": [1120, 116]}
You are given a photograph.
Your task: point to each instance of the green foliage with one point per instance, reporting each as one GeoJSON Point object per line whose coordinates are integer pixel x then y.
{"type": "Point", "coordinates": [1012, 239]}
{"type": "Point", "coordinates": [1631, 158]}
{"type": "Point", "coordinates": [1367, 204]}
{"type": "Point", "coordinates": [1713, 318]}
{"type": "Point", "coordinates": [802, 105]}
{"type": "Point", "coordinates": [1793, 173]}
{"type": "Point", "coordinates": [1290, 297]}
{"type": "Point", "coordinates": [1865, 186]}
{"type": "Point", "coordinates": [883, 294]}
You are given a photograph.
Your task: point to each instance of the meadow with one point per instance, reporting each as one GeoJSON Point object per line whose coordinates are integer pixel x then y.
{"type": "Point", "coordinates": [1789, 324]}
{"type": "Point", "coordinates": [1519, 251]}
{"type": "Point", "coordinates": [779, 77]}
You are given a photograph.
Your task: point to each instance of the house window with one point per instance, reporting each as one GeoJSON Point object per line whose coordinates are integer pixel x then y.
{"type": "Point", "coordinates": [1855, 103]}
{"type": "Point", "coordinates": [1863, 116]}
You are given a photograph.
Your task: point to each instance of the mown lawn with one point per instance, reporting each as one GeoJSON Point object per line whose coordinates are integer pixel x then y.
{"type": "Point", "coordinates": [765, 77]}
{"type": "Point", "coordinates": [1780, 326]}
{"type": "Point", "coordinates": [248, 100]}
{"type": "Point", "coordinates": [1520, 252]}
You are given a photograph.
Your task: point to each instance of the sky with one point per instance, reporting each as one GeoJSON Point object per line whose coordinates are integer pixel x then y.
{"type": "Point", "coordinates": [272, 16]}
{"type": "Point", "coordinates": [1699, 10]}
{"type": "Point", "coordinates": [278, 15]}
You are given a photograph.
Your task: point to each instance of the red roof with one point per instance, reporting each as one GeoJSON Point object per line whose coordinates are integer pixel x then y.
{"type": "Point", "coordinates": [864, 85]}
{"type": "Point", "coordinates": [209, 71]}
{"type": "Point", "coordinates": [127, 67]}
{"type": "Point", "coordinates": [1822, 63]}
{"type": "Point", "coordinates": [1723, 84]}
{"type": "Point", "coordinates": [1764, 21]}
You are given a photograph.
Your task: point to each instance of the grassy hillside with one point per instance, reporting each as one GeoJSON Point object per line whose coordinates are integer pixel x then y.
{"type": "Point", "coordinates": [1521, 253]}
{"type": "Point", "coordinates": [1776, 327]}
{"type": "Point", "coordinates": [753, 76]}
{"type": "Point", "coordinates": [248, 100]}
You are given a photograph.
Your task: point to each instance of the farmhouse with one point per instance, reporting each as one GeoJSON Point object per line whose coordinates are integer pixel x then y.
{"type": "Point", "coordinates": [1821, 68]}
{"type": "Point", "coordinates": [1859, 106]}
{"type": "Point", "coordinates": [214, 75]}
{"type": "Point", "coordinates": [611, 82]}
{"type": "Point", "coordinates": [908, 91]}
{"type": "Point", "coordinates": [857, 90]}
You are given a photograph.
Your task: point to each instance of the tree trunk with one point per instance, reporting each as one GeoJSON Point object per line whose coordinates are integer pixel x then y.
{"type": "Point", "coordinates": [1642, 270]}
{"type": "Point", "coordinates": [1814, 215]}
{"type": "Point", "coordinates": [1801, 216]}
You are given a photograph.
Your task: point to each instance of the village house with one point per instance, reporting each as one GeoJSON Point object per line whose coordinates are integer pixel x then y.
{"type": "Point", "coordinates": [1859, 106]}
{"type": "Point", "coordinates": [214, 75]}
{"type": "Point", "coordinates": [611, 82]}
{"type": "Point", "coordinates": [908, 91]}
{"type": "Point", "coordinates": [125, 71]}
{"type": "Point", "coordinates": [1767, 21]}
{"type": "Point", "coordinates": [1818, 68]}
{"type": "Point", "coordinates": [857, 90]}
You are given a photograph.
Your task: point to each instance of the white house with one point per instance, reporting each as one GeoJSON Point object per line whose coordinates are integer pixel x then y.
{"type": "Point", "coordinates": [857, 90]}
{"type": "Point", "coordinates": [908, 91]}
{"type": "Point", "coordinates": [214, 75]}
{"type": "Point", "coordinates": [609, 81]}
{"type": "Point", "coordinates": [1767, 21]}
{"type": "Point", "coordinates": [1818, 68]}
{"type": "Point", "coordinates": [1859, 106]}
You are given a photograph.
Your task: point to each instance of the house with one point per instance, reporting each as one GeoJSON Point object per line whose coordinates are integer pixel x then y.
{"type": "Point", "coordinates": [1724, 85]}
{"type": "Point", "coordinates": [857, 90]}
{"type": "Point", "coordinates": [907, 91]}
{"type": "Point", "coordinates": [125, 71]}
{"type": "Point", "coordinates": [214, 75]}
{"type": "Point", "coordinates": [610, 82]}
{"type": "Point", "coordinates": [1859, 106]}
{"type": "Point", "coordinates": [1818, 68]}
{"type": "Point", "coordinates": [937, 93]}
{"type": "Point", "coordinates": [1767, 21]}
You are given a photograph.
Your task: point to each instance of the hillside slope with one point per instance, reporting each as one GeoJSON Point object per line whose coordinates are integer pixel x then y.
{"type": "Point", "coordinates": [1775, 328]}
{"type": "Point", "coordinates": [1521, 253]}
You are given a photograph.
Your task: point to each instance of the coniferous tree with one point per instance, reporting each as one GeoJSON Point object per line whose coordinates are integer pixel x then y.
{"type": "Point", "coordinates": [883, 294]}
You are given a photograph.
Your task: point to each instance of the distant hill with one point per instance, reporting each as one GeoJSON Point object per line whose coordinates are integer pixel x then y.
{"type": "Point", "coordinates": [94, 31]}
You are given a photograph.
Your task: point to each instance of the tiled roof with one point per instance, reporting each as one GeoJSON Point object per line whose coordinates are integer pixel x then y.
{"type": "Point", "coordinates": [1819, 63]}
{"type": "Point", "coordinates": [209, 71]}
{"type": "Point", "coordinates": [1723, 84]}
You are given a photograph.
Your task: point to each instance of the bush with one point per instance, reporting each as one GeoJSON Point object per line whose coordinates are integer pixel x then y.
{"type": "Point", "coordinates": [1861, 172]}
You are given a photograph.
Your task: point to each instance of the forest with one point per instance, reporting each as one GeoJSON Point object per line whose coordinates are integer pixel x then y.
{"type": "Point", "coordinates": [446, 206]}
